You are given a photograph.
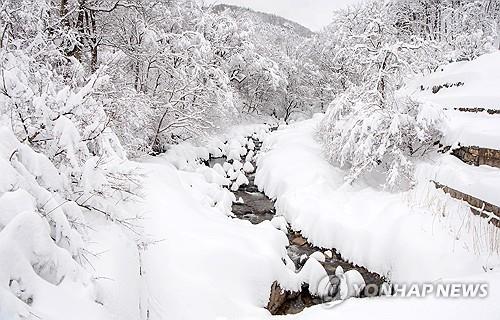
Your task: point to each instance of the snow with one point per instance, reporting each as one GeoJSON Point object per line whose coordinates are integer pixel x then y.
{"type": "Point", "coordinates": [472, 129]}
{"type": "Point", "coordinates": [385, 232]}
{"type": "Point", "coordinates": [480, 78]}
{"type": "Point", "coordinates": [248, 167]}
{"type": "Point", "coordinates": [318, 256]}
{"type": "Point", "coordinates": [280, 223]}
{"type": "Point", "coordinates": [87, 234]}
{"type": "Point", "coordinates": [431, 307]}
{"type": "Point", "coordinates": [26, 242]}
{"type": "Point", "coordinates": [481, 182]}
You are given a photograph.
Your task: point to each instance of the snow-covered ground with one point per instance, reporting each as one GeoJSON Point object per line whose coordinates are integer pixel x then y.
{"type": "Point", "coordinates": [479, 80]}
{"type": "Point", "coordinates": [395, 234]}
{"type": "Point", "coordinates": [410, 236]}
{"type": "Point", "coordinates": [478, 87]}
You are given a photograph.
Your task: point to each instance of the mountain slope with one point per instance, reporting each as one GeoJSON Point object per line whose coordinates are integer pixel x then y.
{"type": "Point", "coordinates": [266, 18]}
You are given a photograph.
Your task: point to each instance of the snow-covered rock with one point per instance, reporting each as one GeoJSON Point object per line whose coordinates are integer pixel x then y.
{"type": "Point", "coordinates": [240, 180]}
{"type": "Point", "coordinates": [328, 254]}
{"type": "Point", "coordinates": [237, 165]}
{"type": "Point", "coordinates": [250, 156]}
{"type": "Point", "coordinates": [280, 223]}
{"type": "Point", "coordinates": [227, 167]}
{"type": "Point", "coordinates": [250, 145]}
{"type": "Point", "coordinates": [318, 255]}
{"type": "Point", "coordinates": [248, 167]}
{"type": "Point", "coordinates": [219, 169]}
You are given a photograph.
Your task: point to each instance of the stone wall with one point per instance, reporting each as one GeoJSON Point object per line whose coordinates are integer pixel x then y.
{"type": "Point", "coordinates": [478, 156]}
{"type": "Point", "coordinates": [477, 206]}
{"type": "Point", "coordinates": [478, 109]}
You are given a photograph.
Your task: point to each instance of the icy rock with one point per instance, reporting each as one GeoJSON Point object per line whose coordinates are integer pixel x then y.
{"type": "Point", "coordinates": [243, 151]}
{"type": "Point", "coordinates": [237, 165]}
{"type": "Point", "coordinates": [250, 156]}
{"type": "Point", "coordinates": [227, 166]}
{"type": "Point", "coordinates": [351, 283]}
{"type": "Point", "coordinates": [219, 169]}
{"type": "Point", "coordinates": [240, 201]}
{"type": "Point", "coordinates": [225, 201]}
{"type": "Point", "coordinates": [339, 271]}
{"type": "Point", "coordinates": [319, 256]}
{"type": "Point", "coordinates": [248, 167]}
{"type": "Point", "coordinates": [328, 254]}
{"type": "Point", "coordinates": [280, 223]}
{"type": "Point", "coordinates": [250, 145]}
{"type": "Point", "coordinates": [213, 176]}
{"type": "Point", "coordinates": [234, 154]}
{"type": "Point", "coordinates": [235, 187]}
{"type": "Point", "coordinates": [242, 179]}
{"type": "Point", "coordinates": [239, 179]}
{"type": "Point", "coordinates": [233, 175]}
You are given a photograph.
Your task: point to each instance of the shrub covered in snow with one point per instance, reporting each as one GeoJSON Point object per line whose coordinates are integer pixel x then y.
{"type": "Point", "coordinates": [59, 161]}
{"type": "Point", "coordinates": [363, 135]}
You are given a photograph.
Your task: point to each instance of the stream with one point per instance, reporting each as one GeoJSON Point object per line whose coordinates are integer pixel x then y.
{"type": "Point", "coordinates": [256, 208]}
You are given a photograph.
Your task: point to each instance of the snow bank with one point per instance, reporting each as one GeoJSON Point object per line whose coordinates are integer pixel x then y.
{"type": "Point", "coordinates": [396, 235]}
{"type": "Point", "coordinates": [480, 79]}
{"type": "Point", "coordinates": [471, 129]}
{"type": "Point", "coordinates": [203, 264]}
{"type": "Point", "coordinates": [481, 182]}
{"type": "Point", "coordinates": [41, 240]}
{"type": "Point", "coordinates": [471, 84]}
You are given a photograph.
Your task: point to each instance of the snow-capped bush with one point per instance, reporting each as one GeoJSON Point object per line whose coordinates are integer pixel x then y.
{"type": "Point", "coordinates": [59, 161]}
{"type": "Point", "coordinates": [363, 135]}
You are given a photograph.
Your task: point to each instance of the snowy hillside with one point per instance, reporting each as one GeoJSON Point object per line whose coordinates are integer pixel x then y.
{"type": "Point", "coordinates": [266, 18]}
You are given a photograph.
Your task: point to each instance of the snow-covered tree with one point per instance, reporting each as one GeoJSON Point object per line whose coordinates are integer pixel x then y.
{"type": "Point", "coordinates": [369, 126]}
{"type": "Point", "coordinates": [58, 158]}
